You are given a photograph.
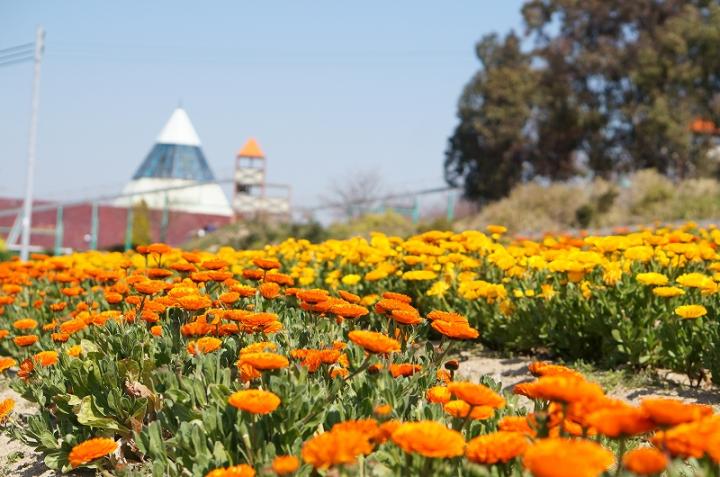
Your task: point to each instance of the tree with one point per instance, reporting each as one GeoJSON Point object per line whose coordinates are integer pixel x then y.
{"type": "Point", "coordinates": [608, 86]}
{"type": "Point", "coordinates": [356, 195]}
{"type": "Point", "coordinates": [141, 224]}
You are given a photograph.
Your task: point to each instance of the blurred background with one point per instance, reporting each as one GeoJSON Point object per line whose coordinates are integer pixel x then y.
{"type": "Point", "coordinates": [238, 123]}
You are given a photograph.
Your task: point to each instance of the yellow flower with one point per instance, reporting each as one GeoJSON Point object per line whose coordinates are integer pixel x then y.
{"type": "Point", "coordinates": [350, 280]}
{"type": "Point", "coordinates": [418, 275]}
{"type": "Point", "coordinates": [652, 278]}
{"type": "Point", "coordinates": [547, 291]}
{"type": "Point", "coordinates": [691, 311]}
{"type": "Point", "coordinates": [438, 289]}
{"type": "Point", "coordinates": [668, 292]}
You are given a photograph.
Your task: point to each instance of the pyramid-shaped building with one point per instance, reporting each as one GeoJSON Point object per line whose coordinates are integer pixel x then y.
{"type": "Point", "coordinates": [175, 174]}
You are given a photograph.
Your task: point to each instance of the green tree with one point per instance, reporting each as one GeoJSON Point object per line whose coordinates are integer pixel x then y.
{"type": "Point", "coordinates": [604, 87]}
{"type": "Point", "coordinates": [141, 234]}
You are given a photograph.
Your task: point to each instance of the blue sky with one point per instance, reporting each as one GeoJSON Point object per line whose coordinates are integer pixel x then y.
{"type": "Point", "coordinates": [328, 88]}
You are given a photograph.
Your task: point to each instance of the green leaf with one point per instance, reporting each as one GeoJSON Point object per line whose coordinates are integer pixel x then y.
{"type": "Point", "coordinates": [616, 335]}
{"type": "Point", "coordinates": [87, 417]}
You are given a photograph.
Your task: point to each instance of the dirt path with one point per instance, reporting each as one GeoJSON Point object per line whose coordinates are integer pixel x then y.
{"type": "Point", "coordinates": [17, 459]}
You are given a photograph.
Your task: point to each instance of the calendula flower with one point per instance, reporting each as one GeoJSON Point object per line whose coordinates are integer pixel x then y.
{"type": "Point", "coordinates": [671, 412]}
{"type": "Point", "coordinates": [6, 407]}
{"type": "Point", "coordinates": [6, 363]}
{"type": "Point", "coordinates": [348, 310]}
{"type": "Point", "coordinates": [406, 317]}
{"type": "Point", "coordinates": [455, 330]}
{"type": "Point", "coordinates": [194, 302]}
{"type": "Point", "coordinates": [25, 324]}
{"type": "Point", "coordinates": [496, 229]}
{"type": "Point", "coordinates": [150, 287]}
{"type": "Point", "coordinates": [622, 421]}
{"type": "Point", "coordinates": [374, 342]}
{"type": "Point", "coordinates": [337, 447]}
{"type": "Point", "coordinates": [90, 450]}
{"type": "Point", "coordinates": [652, 278]}
{"type": "Point", "coordinates": [496, 447]}
{"type": "Point", "coordinates": [46, 358]}
{"type": "Point", "coordinates": [351, 279]}
{"type": "Point", "coordinates": [263, 360]}
{"type": "Point", "coordinates": [557, 457]}
{"type": "Point", "coordinates": [668, 292]}
{"type": "Point", "coordinates": [542, 368]}
{"type": "Point", "coordinates": [25, 340]}
{"type": "Point", "coordinates": [476, 394]}
{"type": "Point", "coordinates": [645, 461]}
{"type": "Point", "coordinates": [516, 424]}
{"type": "Point", "coordinates": [266, 263]}
{"type": "Point", "coordinates": [439, 394]}
{"type": "Point", "coordinates": [255, 401]}
{"type": "Point", "coordinates": [460, 409]}
{"type": "Point", "coordinates": [382, 409]}
{"type": "Point", "coordinates": [566, 389]}
{"type": "Point", "coordinates": [269, 290]}
{"type": "Point", "coordinates": [419, 275]}
{"type": "Point", "coordinates": [285, 464]}
{"type": "Point", "coordinates": [242, 470]}
{"type": "Point", "coordinates": [216, 264]}
{"type": "Point", "coordinates": [206, 344]}
{"type": "Point", "coordinates": [691, 311]}
{"type": "Point", "coordinates": [404, 369]}
{"type": "Point", "coordinates": [429, 439]}
{"type": "Point", "coordinates": [75, 351]}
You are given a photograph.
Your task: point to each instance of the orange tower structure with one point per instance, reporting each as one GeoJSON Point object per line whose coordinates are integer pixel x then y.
{"type": "Point", "coordinates": [250, 193]}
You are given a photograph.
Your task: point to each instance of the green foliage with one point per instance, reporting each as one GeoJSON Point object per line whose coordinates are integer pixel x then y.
{"type": "Point", "coordinates": [608, 87]}
{"type": "Point", "coordinates": [141, 233]}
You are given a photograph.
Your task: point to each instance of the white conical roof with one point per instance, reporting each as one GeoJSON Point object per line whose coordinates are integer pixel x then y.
{"type": "Point", "coordinates": [179, 130]}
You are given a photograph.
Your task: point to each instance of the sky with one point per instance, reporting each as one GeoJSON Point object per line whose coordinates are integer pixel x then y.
{"type": "Point", "coordinates": [328, 88]}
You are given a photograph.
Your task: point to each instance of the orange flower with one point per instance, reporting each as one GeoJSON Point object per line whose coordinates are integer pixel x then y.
{"type": "Point", "coordinates": [242, 470]}
{"type": "Point", "coordinates": [75, 351]}
{"type": "Point", "coordinates": [60, 306]}
{"type": "Point", "coordinates": [60, 337]}
{"type": "Point", "coordinates": [279, 278]}
{"type": "Point", "coordinates": [6, 408]}
{"type": "Point", "coordinates": [671, 412]}
{"type": "Point", "coordinates": [194, 302]}
{"type": "Point", "coordinates": [216, 264]}
{"type": "Point", "coordinates": [476, 394]}
{"type": "Point", "coordinates": [439, 394]}
{"type": "Point", "coordinates": [6, 363]}
{"type": "Point", "coordinates": [150, 287]}
{"type": "Point", "coordinates": [156, 330]}
{"type": "Point", "coordinates": [25, 324]}
{"type": "Point", "coordinates": [338, 372]}
{"type": "Point", "coordinates": [263, 360]}
{"type": "Point", "coordinates": [557, 457]}
{"type": "Point", "coordinates": [255, 401]}
{"type": "Point", "coordinates": [206, 344]}
{"type": "Point", "coordinates": [560, 388]}
{"type": "Point", "coordinates": [72, 326]}
{"type": "Point", "coordinates": [621, 421]}
{"type": "Point", "coordinates": [229, 297]}
{"type": "Point", "coordinates": [516, 424]}
{"type": "Point", "coordinates": [406, 317]}
{"type": "Point", "coordinates": [691, 439]}
{"type": "Point", "coordinates": [645, 461]}
{"type": "Point", "coordinates": [25, 340]}
{"type": "Point", "coordinates": [397, 296]}
{"type": "Point", "coordinates": [266, 263]}
{"type": "Point", "coordinates": [337, 447]}
{"type": "Point", "coordinates": [455, 330]}
{"type": "Point", "coordinates": [543, 368]}
{"type": "Point", "coordinates": [348, 310]}
{"type": "Point", "coordinates": [315, 295]}
{"type": "Point", "coordinates": [285, 464]}
{"type": "Point", "coordinates": [429, 439]}
{"type": "Point", "coordinates": [496, 447]}
{"type": "Point", "coordinates": [158, 248]}
{"type": "Point", "coordinates": [449, 316]}
{"type": "Point", "coordinates": [460, 409]}
{"type": "Point", "coordinates": [349, 297]}
{"type": "Point", "coordinates": [248, 373]}
{"type": "Point", "coordinates": [26, 369]}
{"type": "Point", "coordinates": [269, 290]}
{"type": "Point", "coordinates": [404, 369]}
{"type": "Point", "coordinates": [382, 409]}
{"type": "Point", "coordinates": [90, 450]}
{"type": "Point", "coordinates": [374, 342]}
{"type": "Point", "coordinates": [252, 274]}
{"type": "Point", "coordinates": [46, 358]}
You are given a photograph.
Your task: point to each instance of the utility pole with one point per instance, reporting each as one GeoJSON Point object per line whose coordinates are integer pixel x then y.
{"type": "Point", "coordinates": [27, 206]}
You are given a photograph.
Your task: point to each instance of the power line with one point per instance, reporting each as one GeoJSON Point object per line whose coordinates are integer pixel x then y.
{"type": "Point", "coordinates": [13, 55]}
{"type": "Point", "coordinates": [18, 47]}
{"type": "Point", "coordinates": [14, 62]}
